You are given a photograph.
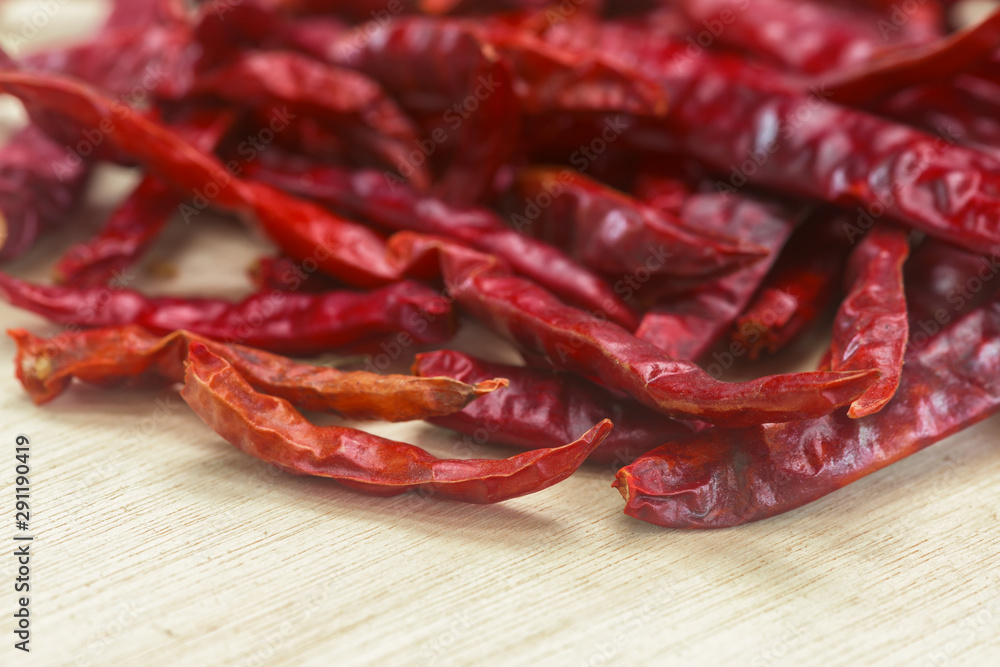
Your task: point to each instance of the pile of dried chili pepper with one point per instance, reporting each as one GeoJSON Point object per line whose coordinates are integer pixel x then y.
{"type": "Point", "coordinates": [638, 196]}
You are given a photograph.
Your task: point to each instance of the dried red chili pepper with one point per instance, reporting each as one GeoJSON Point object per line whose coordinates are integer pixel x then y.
{"type": "Point", "coordinates": [39, 190]}
{"type": "Point", "coordinates": [720, 478]}
{"type": "Point", "coordinates": [963, 109]}
{"type": "Point", "coordinates": [368, 195]}
{"type": "Point", "coordinates": [141, 217]}
{"type": "Point", "coordinates": [108, 357]}
{"type": "Point", "coordinates": [570, 339]}
{"type": "Point", "coordinates": [759, 128]}
{"type": "Point", "coordinates": [687, 326]}
{"type": "Point", "coordinates": [937, 61]}
{"type": "Point", "coordinates": [342, 249]}
{"type": "Point", "coordinates": [809, 36]}
{"type": "Point", "coordinates": [458, 87]}
{"type": "Point", "coordinates": [250, 421]}
{"type": "Point", "coordinates": [546, 409]}
{"type": "Point", "coordinates": [799, 288]}
{"type": "Point", "coordinates": [286, 275]}
{"type": "Point", "coordinates": [943, 282]}
{"type": "Point", "coordinates": [871, 328]}
{"type": "Point", "coordinates": [300, 324]}
{"type": "Point", "coordinates": [614, 233]}
{"type": "Point", "coordinates": [349, 102]}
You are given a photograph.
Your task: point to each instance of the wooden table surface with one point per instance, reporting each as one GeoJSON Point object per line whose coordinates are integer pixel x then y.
{"type": "Point", "coordinates": [156, 543]}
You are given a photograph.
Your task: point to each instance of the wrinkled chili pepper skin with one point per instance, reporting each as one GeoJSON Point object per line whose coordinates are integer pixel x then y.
{"type": "Point", "coordinates": [367, 194]}
{"type": "Point", "coordinates": [129, 230]}
{"type": "Point", "coordinates": [799, 288]}
{"type": "Point", "coordinates": [807, 36]}
{"type": "Point", "coordinates": [286, 275]}
{"type": "Point", "coordinates": [142, 216]}
{"type": "Point", "coordinates": [39, 189]}
{"type": "Point", "coordinates": [720, 478]}
{"type": "Point", "coordinates": [110, 356]}
{"type": "Point", "coordinates": [570, 339]}
{"type": "Point", "coordinates": [348, 102]}
{"type": "Point", "coordinates": [925, 63]}
{"type": "Point", "coordinates": [247, 419]}
{"type": "Point", "coordinates": [545, 409]}
{"type": "Point", "coordinates": [943, 282]}
{"type": "Point", "coordinates": [687, 326]}
{"type": "Point", "coordinates": [341, 248]}
{"type": "Point", "coordinates": [721, 108]}
{"type": "Point", "coordinates": [300, 324]}
{"type": "Point", "coordinates": [613, 233]}
{"type": "Point", "coordinates": [871, 328]}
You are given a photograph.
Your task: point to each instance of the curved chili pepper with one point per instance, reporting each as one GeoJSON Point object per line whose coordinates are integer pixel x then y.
{"type": "Point", "coordinates": [920, 64]}
{"type": "Point", "coordinates": [229, 405]}
{"type": "Point", "coordinates": [303, 230]}
{"type": "Point", "coordinates": [369, 195]}
{"type": "Point", "coordinates": [300, 324]}
{"type": "Point", "coordinates": [570, 339]}
{"type": "Point", "coordinates": [871, 329]}
{"type": "Point", "coordinates": [141, 217]}
{"type": "Point", "coordinates": [545, 409]}
{"type": "Point", "coordinates": [38, 190]}
{"type": "Point", "coordinates": [286, 275]}
{"type": "Point", "coordinates": [720, 478]}
{"type": "Point", "coordinates": [808, 36]}
{"type": "Point", "coordinates": [798, 290]}
{"type": "Point", "coordinates": [757, 127]}
{"type": "Point", "coordinates": [107, 357]}
{"type": "Point", "coordinates": [613, 233]}
{"type": "Point", "coordinates": [687, 326]}
{"type": "Point", "coordinates": [357, 107]}
{"type": "Point", "coordinates": [943, 282]}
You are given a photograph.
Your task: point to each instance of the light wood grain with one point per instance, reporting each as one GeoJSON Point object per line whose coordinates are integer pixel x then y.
{"type": "Point", "coordinates": [159, 544]}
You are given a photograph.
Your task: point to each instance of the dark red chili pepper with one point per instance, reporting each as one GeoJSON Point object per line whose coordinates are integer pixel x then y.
{"type": "Point", "coordinates": [808, 36]}
{"type": "Point", "coordinates": [545, 409]}
{"type": "Point", "coordinates": [38, 190]}
{"type": "Point", "coordinates": [964, 109]}
{"type": "Point", "coordinates": [301, 324]}
{"type": "Point", "coordinates": [141, 217]}
{"type": "Point", "coordinates": [720, 478]}
{"type": "Point", "coordinates": [304, 231]}
{"type": "Point", "coordinates": [369, 195]}
{"type": "Point", "coordinates": [349, 102]}
{"type": "Point", "coordinates": [272, 430]}
{"type": "Point", "coordinates": [687, 326]}
{"type": "Point", "coordinates": [943, 282]}
{"type": "Point", "coordinates": [614, 233]}
{"type": "Point", "coordinates": [937, 61]}
{"type": "Point", "coordinates": [871, 328]}
{"type": "Point", "coordinates": [108, 357]}
{"type": "Point", "coordinates": [286, 275]}
{"type": "Point", "coordinates": [799, 288]}
{"type": "Point", "coordinates": [570, 339]}
{"type": "Point", "coordinates": [757, 127]}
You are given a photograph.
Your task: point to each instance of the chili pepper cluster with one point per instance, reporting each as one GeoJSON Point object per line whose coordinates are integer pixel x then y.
{"type": "Point", "coordinates": [628, 192]}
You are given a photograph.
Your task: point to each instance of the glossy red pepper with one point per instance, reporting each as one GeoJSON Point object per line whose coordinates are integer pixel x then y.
{"type": "Point", "coordinates": [359, 460]}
